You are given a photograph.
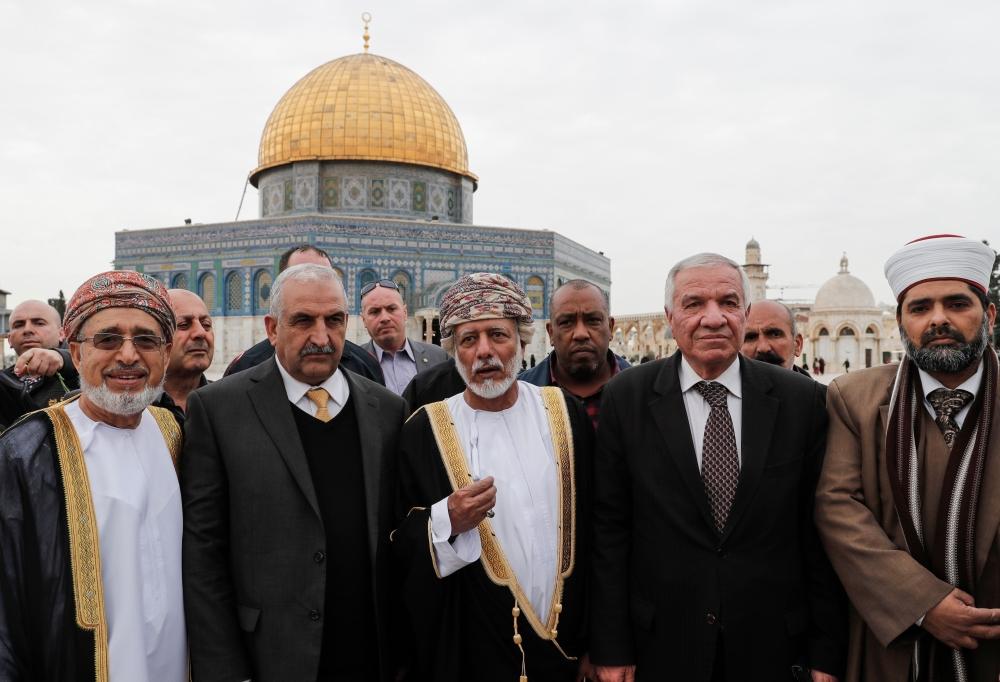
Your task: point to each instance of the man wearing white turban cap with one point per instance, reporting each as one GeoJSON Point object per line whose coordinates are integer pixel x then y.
{"type": "Point", "coordinates": [908, 503]}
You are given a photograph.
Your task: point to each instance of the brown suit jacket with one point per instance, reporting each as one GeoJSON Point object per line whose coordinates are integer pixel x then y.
{"type": "Point", "coordinates": [889, 590]}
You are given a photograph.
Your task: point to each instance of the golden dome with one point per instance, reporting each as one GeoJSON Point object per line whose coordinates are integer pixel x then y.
{"type": "Point", "coordinates": [363, 107]}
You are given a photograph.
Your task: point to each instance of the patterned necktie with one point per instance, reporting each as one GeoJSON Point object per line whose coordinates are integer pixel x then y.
{"type": "Point", "coordinates": [946, 405]}
{"type": "Point", "coordinates": [720, 463]}
{"type": "Point", "coordinates": [320, 398]}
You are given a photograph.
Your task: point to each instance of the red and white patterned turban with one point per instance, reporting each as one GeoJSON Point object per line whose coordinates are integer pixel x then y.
{"type": "Point", "coordinates": [483, 296]}
{"type": "Point", "coordinates": [119, 289]}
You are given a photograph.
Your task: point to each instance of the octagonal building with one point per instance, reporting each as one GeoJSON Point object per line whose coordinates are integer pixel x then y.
{"type": "Point", "coordinates": [364, 159]}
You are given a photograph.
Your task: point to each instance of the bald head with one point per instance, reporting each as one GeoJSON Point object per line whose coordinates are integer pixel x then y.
{"type": "Point", "coordinates": [34, 324]}
{"type": "Point", "coordinates": [770, 334]}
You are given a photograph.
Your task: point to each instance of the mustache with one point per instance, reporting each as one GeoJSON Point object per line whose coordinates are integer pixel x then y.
{"type": "Point", "coordinates": [769, 356]}
{"type": "Point", "coordinates": [122, 367]}
{"type": "Point", "coordinates": [313, 349]}
{"type": "Point", "coordinates": [487, 364]}
{"type": "Point", "coordinates": [944, 331]}
{"type": "Point", "coordinates": [197, 345]}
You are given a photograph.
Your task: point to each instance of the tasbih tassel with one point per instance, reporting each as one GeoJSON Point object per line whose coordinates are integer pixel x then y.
{"type": "Point", "coordinates": [516, 612]}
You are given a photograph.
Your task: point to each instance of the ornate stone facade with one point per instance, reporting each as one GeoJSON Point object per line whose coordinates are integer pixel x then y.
{"type": "Point", "coordinates": [363, 159]}
{"type": "Point", "coordinates": [232, 265]}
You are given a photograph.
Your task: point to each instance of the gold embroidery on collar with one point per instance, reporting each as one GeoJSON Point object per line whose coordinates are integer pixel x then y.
{"type": "Point", "coordinates": [84, 545]}
{"type": "Point", "coordinates": [493, 558]}
{"type": "Point", "coordinates": [170, 430]}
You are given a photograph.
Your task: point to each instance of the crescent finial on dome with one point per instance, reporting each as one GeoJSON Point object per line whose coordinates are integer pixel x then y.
{"type": "Point", "coordinates": [366, 17]}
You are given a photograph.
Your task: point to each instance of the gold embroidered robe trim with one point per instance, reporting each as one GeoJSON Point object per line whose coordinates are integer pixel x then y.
{"type": "Point", "coordinates": [84, 543]}
{"type": "Point", "coordinates": [171, 431]}
{"type": "Point", "coordinates": [493, 558]}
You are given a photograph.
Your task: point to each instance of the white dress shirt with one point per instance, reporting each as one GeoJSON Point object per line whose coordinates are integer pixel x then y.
{"type": "Point", "coordinates": [137, 505]}
{"type": "Point", "coordinates": [335, 385]}
{"type": "Point", "coordinates": [515, 447]}
{"type": "Point", "coordinates": [698, 409]}
{"type": "Point", "coordinates": [929, 383]}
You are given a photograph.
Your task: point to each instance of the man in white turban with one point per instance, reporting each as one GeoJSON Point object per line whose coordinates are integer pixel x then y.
{"type": "Point", "coordinates": [908, 503]}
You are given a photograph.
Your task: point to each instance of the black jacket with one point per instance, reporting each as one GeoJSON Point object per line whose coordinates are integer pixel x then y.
{"type": "Point", "coordinates": [18, 398]}
{"type": "Point", "coordinates": [667, 586]}
{"type": "Point", "coordinates": [39, 637]}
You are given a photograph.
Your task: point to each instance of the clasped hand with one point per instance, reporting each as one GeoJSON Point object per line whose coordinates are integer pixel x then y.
{"type": "Point", "coordinates": [956, 622]}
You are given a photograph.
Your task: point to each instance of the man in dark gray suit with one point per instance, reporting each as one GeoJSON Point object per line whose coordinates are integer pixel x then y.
{"type": "Point", "coordinates": [384, 313]}
{"type": "Point", "coordinates": [288, 479]}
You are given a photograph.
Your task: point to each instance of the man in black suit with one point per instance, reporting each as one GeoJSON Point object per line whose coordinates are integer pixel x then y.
{"type": "Point", "coordinates": [288, 480]}
{"type": "Point", "coordinates": [707, 564]}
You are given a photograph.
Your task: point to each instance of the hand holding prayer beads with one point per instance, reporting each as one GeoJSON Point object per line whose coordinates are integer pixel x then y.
{"type": "Point", "coordinates": [468, 506]}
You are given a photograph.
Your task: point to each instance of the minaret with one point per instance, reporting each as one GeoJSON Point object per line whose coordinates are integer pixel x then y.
{"type": "Point", "coordinates": [756, 272]}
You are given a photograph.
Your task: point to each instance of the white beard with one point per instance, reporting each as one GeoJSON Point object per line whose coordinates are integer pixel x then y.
{"type": "Point", "coordinates": [488, 389]}
{"type": "Point", "coordinates": [125, 404]}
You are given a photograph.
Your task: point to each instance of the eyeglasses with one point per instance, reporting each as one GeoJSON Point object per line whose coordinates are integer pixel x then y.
{"type": "Point", "coordinates": [143, 343]}
{"type": "Point", "coordinates": [384, 283]}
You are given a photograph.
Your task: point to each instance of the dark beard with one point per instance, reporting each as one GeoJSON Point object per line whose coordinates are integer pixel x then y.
{"type": "Point", "coordinates": [946, 359]}
{"type": "Point", "coordinates": [583, 371]}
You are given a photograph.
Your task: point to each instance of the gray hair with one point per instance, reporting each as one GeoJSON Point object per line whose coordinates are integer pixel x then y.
{"type": "Point", "coordinates": [701, 260]}
{"type": "Point", "coordinates": [306, 272]}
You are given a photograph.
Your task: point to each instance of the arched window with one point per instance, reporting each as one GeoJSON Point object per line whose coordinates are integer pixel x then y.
{"type": "Point", "coordinates": [846, 331]}
{"type": "Point", "coordinates": [822, 332]}
{"type": "Point", "coordinates": [535, 288]}
{"type": "Point", "coordinates": [180, 281]}
{"type": "Point", "coordinates": [405, 284]}
{"type": "Point", "coordinates": [206, 289]}
{"type": "Point", "coordinates": [871, 331]}
{"type": "Point", "coordinates": [234, 292]}
{"type": "Point", "coordinates": [261, 292]}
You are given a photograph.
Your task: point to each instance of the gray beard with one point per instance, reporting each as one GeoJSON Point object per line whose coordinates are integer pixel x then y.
{"type": "Point", "coordinates": [947, 359]}
{"type": "Point", "coordinates": [124, 404]}
{"type": "Point", "coordinates": [493, 388]}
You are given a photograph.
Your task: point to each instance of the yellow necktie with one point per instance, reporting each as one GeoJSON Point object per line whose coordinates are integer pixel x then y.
{"type": "Point", "coordinates": [320, 398]}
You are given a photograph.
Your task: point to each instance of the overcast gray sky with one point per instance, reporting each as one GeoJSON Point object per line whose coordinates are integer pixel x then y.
{"type": "Point", "coordinates": [647, 130]}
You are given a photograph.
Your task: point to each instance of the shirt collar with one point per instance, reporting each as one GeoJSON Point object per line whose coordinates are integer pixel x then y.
{"type": "Point", "coordinates": [406, 349]}
{"type": "Point", "coordinates": [729, 378]}
{"type": "Point", "coordinates": [335, 385]}
{"type": "Point", "coordinates": [929, 383]}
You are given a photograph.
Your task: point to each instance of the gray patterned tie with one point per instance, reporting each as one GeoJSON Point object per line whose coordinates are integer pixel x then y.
{"type": "Point", "coordinates": [947, 404]}
{"type": "Point", "coordinates": [720, 463]}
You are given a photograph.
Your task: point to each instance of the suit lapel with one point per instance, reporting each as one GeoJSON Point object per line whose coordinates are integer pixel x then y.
{"type": "Point", "coordinates": [420, 356]}
{"type": "Point", "coordinates": [989, 496]}
{"type": "Point", "coordinates": [270, 401]}
{"type": "Point", "coordinates": [670, 416]}
{"type": "Point", "coordinates": [760, 410]}
{"type": "Point", "coordinates": [366, 407]}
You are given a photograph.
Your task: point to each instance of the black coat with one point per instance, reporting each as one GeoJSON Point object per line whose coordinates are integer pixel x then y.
{"type": "Point", "coordinates": [39, 637]}
{"type": "Point", "coordinates": [440, 382]}
{"type": "Point", "coordinates": [18, 398]}
{"type": "Point", "coordinates": [461, 626]}
{"type": "Point", "coordinates": [666, 584]}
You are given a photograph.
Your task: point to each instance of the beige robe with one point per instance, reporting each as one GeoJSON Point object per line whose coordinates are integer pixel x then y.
{"type": "Point", "coordinates": [889, 590]}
